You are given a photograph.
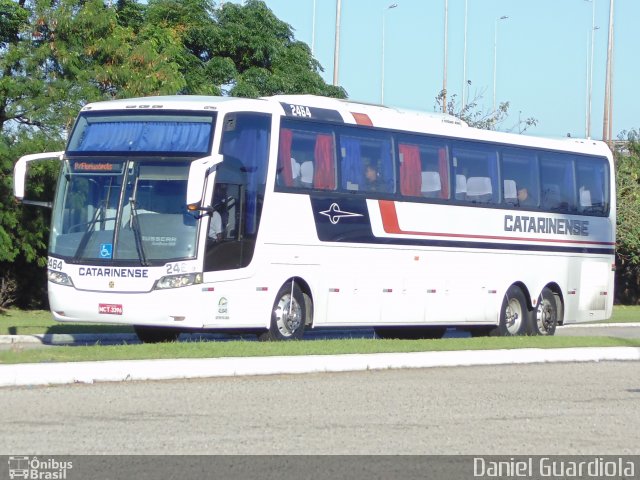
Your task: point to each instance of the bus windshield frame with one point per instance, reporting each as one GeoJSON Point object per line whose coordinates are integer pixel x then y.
{"type": "Point", "coordinates": [128, 207]}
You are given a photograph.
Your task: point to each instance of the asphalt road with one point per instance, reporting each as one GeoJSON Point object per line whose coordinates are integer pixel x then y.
{"type": "Point", "coordinates": [587, 409]}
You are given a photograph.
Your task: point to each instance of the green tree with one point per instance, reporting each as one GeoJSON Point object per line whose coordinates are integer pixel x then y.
{"type": "Point", "coordinates": [628, 219]}
{"type": "Point", "coordinates": [56, 56]}
{"type": "Point", "coordinates": [474, 116]}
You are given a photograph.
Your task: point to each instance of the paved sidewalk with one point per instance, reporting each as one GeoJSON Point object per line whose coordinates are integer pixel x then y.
{"type": "Point", "coordinates": [115, 371]}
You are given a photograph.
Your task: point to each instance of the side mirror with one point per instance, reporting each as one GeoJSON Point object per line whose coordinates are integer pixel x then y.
{"type": "Point", "coordinates": [20, 172]}
{"type": "Point", "coordinates": [198, 173]}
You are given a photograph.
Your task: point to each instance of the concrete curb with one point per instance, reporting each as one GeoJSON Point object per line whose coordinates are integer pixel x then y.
{"type": "Point", "coordinates": [117, 371]}
{"type": "Point", "coordinates": [601, 325]}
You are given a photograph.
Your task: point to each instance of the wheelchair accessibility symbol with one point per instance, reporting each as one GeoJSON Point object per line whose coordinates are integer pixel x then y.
{"type": "Point", "coordinates": [106, 250]}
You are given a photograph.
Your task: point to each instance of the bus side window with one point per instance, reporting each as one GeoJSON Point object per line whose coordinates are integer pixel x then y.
{"type": "Point", "coordinates": [478, 164]}
{"type": "Point", "coordinates": [366, 161]}
{"type": "Point", "coordinates": [424, 167]}
{"type": "Point", "coordinates": [558, 183]}
{"type": "Point", "coordinates": [591, 194]}
{"type": "Point", "coordinates": [519, 169]}
{"type": "Point", "coordinates": [306, 157]}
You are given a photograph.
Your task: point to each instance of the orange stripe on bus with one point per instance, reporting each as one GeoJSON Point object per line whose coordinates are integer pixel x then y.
{"type": "Point", "coordinates": [362, 119]}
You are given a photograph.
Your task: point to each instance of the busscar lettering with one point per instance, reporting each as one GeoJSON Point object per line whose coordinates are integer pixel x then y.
{"type": "Point", "coordinates": [112, 272]}
{"type": "Point", "coordinates": [161, 241]}
{"type": "Point", "coordinates": [546, 225]}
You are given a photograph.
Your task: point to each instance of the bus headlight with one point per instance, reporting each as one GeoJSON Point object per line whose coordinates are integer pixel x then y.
{"type": "Point", "coordinates": [59, 278]}
{"type": "Point", "coordinates": [177, 281]}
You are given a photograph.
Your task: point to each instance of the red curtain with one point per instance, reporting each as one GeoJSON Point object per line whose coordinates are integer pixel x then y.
{"type": "Point", "coordinates": [410, 170]}
{"type": "Point", "coordinates": [324, 176]}
{"type": "Point", "coordinates": [443, 167]}
{"type": "Point", "coordinates": [284, 157]}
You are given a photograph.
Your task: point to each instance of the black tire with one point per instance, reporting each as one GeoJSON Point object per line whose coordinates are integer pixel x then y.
{"type": "Point", "coordinates": [546, 315]}
{"type": "Point", "coordinates": [410, 333]}
{"type": "Point", "coordinates": [288, 315]}
{"type": "Point", "coordinates": [156, 334]}
{"type": "Point", "coordinates": [515, 318]}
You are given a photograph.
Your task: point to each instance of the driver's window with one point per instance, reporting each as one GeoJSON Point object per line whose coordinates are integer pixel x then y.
{"type": "Point", "coordinates": [225, 219]}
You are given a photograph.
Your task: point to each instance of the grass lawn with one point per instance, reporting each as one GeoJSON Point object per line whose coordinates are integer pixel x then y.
{"type": "Point", "coordinates": [29, 322]}
{"type": "Point", "coordinates": [206, 349]}
{"type": "Point", "coordinates": [33, 322]}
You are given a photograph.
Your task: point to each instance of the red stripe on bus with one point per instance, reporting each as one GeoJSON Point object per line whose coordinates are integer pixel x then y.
{"type": "Point", "coordinates": [362, 119]}
{"type": "Point", "coordinates": [391, 225]}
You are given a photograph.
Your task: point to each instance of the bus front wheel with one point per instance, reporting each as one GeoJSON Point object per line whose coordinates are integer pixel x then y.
{"type": "Point", "coordinates": [547, 313]}
{"type": "Point", "coordinates": [288, 315]}
{"type": "Point", "coordinates": [515, 318]}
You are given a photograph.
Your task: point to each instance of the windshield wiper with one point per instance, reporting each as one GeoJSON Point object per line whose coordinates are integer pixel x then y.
{"type": "Point", "coordinates": [135, 227]}
{"type": "Point", "coordinates": [86, 236]}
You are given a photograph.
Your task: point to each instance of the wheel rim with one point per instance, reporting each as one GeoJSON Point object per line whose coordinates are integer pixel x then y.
{"type": "Point", "coordinates": [545, 317]}
{"type": "Point", "coordinates": [513, 316]}
{"type": "Point", "coordinates": [288, 315]}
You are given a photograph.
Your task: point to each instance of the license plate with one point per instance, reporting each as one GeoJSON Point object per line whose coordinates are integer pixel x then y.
{"type": "Point", "coordinates": [110, 309]}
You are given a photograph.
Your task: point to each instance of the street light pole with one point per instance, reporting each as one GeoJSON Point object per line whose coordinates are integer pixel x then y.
{"type": "Point", "coordinates": [608, 102]}
{"type": "Point", "coordinates": [464, 56]}
{"type": "Point", "coordinates": [336, 51]}
{"type": "Point", "coordinates": [444, 69]}
{"type": "Point", "coordinates": [495, 56]}
{"type": "Point", "coordinates": [313, 30]}
{"type": "Point", "coordinates": [590, 68]}
{"type": "Point", "coordinates": [384, 17]}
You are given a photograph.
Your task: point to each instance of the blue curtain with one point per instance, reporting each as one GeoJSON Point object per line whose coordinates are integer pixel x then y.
{"type": "Point", "coordinates": [251, 148]}
{"type": "Point", "coordinates": [188, 137]}
{"type": "Point", "coordinates": [352, 168]}
{"type": "Point", "coordinates": [386, 166]}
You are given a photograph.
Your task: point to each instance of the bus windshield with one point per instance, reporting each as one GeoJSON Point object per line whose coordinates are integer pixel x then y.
{"type": "Point", "coordinates": [122, 190]}
{"type": "Point", "coordinates": [131, 211]}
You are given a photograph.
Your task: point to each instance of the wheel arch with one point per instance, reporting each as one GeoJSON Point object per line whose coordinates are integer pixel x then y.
{"type": "Point", "coordinates": [527, 294]}
{"type": "Point", "coordinates": [308, 296]}
{"type": "Point", "coordinates": [557, 291]}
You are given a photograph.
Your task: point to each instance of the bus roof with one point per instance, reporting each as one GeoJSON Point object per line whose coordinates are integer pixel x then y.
{"type": "Point", "coordinates": [349, 112]}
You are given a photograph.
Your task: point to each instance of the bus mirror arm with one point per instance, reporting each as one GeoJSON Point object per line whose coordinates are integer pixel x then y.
{"type": "Point", "coordinates": [198, 172]}
{"type": "Point", "coordinates": [20, 173]}
{"type": "Point", "coordinates": [195, 207]}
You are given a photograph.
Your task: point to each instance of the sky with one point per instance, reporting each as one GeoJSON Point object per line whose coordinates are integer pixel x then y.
{"type": "Point", "coordinates": [541, 55]}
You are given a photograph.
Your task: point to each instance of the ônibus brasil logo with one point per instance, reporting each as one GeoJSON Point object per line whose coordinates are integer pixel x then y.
{"type": "Point", "coordinates": [40, 469]}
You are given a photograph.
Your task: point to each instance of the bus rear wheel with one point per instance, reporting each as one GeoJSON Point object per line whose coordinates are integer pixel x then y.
{"type": "Point", "coordinates": [156, 334]}
{"type": "Point", "coordinates": [288, 315]}
{"type": "Point", "coordinates": [515, 318]}
{"type": "Point", "coordinates": [546, 319]}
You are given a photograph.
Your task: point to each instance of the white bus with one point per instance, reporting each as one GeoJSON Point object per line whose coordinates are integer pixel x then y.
{"type": "Point", "coordinates": [278, 214]}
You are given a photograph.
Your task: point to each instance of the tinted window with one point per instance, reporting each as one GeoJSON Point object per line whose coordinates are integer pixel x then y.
{"type": "Point", "coordinates": [366, 161]}
{"type": "Point", "coordinates": [424, 167]}
{"type": "Point", "coordinates": [306, 157]}
{"type": "Point", "coordinates": [476, 172]}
